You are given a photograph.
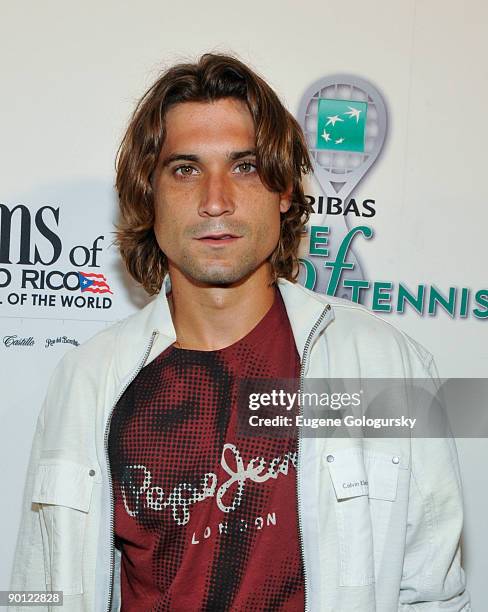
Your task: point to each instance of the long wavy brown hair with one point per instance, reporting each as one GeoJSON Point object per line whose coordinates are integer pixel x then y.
{"type": "Point", "coordinates": [281, 156]}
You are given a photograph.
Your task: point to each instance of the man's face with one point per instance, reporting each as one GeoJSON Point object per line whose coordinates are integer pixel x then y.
{"type": "Point", "coordinates": [214, 219]}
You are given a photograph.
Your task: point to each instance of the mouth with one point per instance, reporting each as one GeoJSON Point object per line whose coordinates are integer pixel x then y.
{"type": "Point", "coordinates": [219, 239]}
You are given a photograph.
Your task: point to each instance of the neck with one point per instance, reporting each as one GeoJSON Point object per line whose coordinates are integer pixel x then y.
{"type": "Point", "coordinates": [209, 317]}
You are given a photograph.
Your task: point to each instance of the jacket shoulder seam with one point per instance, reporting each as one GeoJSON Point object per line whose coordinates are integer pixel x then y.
{"type": "Point", "coordinates": [426, 360]}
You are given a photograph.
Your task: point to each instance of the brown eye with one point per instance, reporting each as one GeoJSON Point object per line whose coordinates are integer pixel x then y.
{"type": "Point", "coordinates": [246, 168]}
{"type": "Point", "coordinates": [184, 171]}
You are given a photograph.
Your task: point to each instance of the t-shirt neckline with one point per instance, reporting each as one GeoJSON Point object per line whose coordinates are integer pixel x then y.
{"type": "Point", "coordinates": [269, 323]}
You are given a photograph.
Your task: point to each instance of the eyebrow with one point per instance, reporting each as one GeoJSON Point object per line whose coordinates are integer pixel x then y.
{"type": "Point", "coordinates": [238, 154]}
{"type": "Point", "coordinates": [233, 156]}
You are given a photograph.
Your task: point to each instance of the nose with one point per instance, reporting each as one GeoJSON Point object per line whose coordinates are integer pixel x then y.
{"type": "Point", "coordinates": [217, 196]}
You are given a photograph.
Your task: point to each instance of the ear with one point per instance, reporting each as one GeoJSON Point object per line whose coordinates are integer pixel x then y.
{"type": "Point", "coordinates": [285, 199]}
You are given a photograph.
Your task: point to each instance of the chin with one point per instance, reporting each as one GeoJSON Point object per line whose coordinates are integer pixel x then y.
{"type": "Point", "coordinates": [220, 276]}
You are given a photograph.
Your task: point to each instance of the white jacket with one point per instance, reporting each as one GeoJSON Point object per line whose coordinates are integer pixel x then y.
{"type": "Point", "coordinates": [393, 546]}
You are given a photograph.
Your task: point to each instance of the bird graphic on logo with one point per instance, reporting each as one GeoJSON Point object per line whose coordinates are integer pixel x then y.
{"type": "Point", "coordinates": [94, 283]}
{"type": "Point", "coordinates": [341, 124]}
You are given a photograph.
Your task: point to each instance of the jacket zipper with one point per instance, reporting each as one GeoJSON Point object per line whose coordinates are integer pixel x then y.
{"type": "Point", "coordinates": [299, 446]}
{"type": "Point", "coordinates": [109, 473]}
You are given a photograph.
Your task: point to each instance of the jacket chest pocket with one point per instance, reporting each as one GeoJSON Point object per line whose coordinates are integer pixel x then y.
{"type": "Point", "coordinates": [364, 487]}
{"type": "Point", "coordinates": [63, 492]}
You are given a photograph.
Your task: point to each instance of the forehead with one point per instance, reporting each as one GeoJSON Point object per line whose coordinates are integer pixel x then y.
{"type": "Point", "coordinates": [226, 122]}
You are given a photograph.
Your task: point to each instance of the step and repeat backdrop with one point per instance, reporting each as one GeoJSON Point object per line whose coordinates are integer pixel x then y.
{"type": "Point", "coordinates": [391, 97]}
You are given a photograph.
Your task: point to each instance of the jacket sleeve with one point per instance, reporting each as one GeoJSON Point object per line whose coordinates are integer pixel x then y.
{"type": "Point", "coordinates": [433, 579]}
{"type": "Point", "coordinates": [28, 572]}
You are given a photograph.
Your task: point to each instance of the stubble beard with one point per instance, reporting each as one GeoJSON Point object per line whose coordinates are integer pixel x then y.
{"type": "Point", "coordinates": [219, 274]}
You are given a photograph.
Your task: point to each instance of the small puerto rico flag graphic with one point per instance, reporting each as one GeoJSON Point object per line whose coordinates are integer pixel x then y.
{"type": "Point", "coordinates": [95, 283]}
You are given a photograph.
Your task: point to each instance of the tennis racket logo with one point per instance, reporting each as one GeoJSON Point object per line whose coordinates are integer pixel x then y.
{"type": "Point", "coordinates": [344, 120]}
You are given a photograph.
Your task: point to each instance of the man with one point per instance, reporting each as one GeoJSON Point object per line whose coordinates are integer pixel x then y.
{"type": "Point", "coordinates": [143, 493]}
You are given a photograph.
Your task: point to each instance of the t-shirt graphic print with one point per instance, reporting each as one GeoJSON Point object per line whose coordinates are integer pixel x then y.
{"type": "Point", "coordinates": [206, 518]}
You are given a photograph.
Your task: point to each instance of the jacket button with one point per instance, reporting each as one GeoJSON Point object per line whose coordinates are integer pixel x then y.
{"type": "Point", "coordinates": [91, 473]}
{"type": "Point", "coordinates": [330, 458]}
{"type": "Point", "coordinates": [395, 460]}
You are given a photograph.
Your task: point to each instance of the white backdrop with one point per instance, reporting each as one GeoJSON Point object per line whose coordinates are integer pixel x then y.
{"type": "Point", "coordinates": [71, 74]}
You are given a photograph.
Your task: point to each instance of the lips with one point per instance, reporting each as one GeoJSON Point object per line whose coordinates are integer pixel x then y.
{"type": "Point", "coordinates": [217, 236]}
{"type": "Point", "coordinates": [219, 240]}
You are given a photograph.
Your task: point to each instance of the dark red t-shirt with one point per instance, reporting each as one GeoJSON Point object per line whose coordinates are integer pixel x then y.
{"type": "Point", "coordinates": [196, 530]}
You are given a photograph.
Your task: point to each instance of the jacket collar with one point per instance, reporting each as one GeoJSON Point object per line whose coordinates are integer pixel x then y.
{"type": "Point", "coordinates": [304, 309]}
